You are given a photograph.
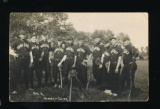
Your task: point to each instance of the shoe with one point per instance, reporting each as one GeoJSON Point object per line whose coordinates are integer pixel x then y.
{"type": "Point", "coordinates": [14, 92]}
{"type": "Point", "coordinates": [31, 89]}
{"type": "Point", "coordinates": [35, 93]}
{"type": "Point", "coordinates": [114, 94]}
{"type": "Point", "coordinates": [41, 94]}
{"type": "Point", "coordinates": [107, 91]}
{"type": "Point", "coordinates": [59, 86]}
{"type": "Point", "coordinates": [55, 85]}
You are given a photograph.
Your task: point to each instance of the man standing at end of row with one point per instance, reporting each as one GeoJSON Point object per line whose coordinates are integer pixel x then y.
{"type": "Point", "coordinates": [130, 53]}
{"type": "Point", "coordinates": [24, 59]}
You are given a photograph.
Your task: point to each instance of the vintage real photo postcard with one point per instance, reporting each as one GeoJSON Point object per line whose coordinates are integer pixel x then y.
{"type": "Point", "coordinates": [78, 57]}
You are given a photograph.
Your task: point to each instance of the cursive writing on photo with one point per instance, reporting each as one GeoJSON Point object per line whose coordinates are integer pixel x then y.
{"type": "Point", "coordinates": [56, 99]}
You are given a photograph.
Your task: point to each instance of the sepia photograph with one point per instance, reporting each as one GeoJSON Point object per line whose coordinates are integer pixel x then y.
{"type": "Point", "coordinates": [78, 57]}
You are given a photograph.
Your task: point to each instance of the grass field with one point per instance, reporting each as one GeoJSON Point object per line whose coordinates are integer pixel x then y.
{"type": "Point", "coordinates": [51, 94]}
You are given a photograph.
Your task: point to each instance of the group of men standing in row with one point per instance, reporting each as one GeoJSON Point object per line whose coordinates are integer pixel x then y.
{"type": "Point", "coordinates": [113, 64]}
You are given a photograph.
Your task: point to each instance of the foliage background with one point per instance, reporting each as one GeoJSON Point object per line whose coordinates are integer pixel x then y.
{"type": "Point", "coordinates": [55, 24]}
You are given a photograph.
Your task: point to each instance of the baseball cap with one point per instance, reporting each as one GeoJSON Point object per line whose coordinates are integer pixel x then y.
{"type": "Point", "coordinates": [69, 38]}
{"type": "Point", "coordinates": [126, 38]}
{"type": "Point", "coordinates": [112, 38]}
{"type": "Point", "coordinates": [34, 34]}
{"type": "Point", "coordinates": [22, 32]}
{"type": "Point", "coordinates": [97, 37]}
{"type": "Point", "coordinates": [80, 38]}
{"type": "Point", "coordinates": [107, 41]}
{"type": "Point", "coordinates": [44, 33]}
{"type": "Point", "coordinates": [59, 38]}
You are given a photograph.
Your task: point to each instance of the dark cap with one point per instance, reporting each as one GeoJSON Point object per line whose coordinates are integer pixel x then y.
{"type": "Point", "coordinates": [64, 38]}
{"type": "Point", "coordinates": [34, 34]}
{"type": "Point", "coordinates": [69, 38]}
{"type": "Point", "coordinates": [112, 38]}
{"type": "Point", "coordinates": [22, 32]}
{"type": "Point", "coordinates": [80, 38]}
{"type": "Point", "coordinates": [107, 41]}
{"type": "Point", "coordinates": [126, 38]}
{"type": "Point", "coordinates": [44, 33]}
{"type": "Point", "coordinates": [59, 39]}
{"type": "Point", "coordinates": [97, 37]}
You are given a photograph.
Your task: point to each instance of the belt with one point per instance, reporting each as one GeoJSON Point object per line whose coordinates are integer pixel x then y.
{"type": "Point", "coordinates": [23, 56]}
{"type": "Point", "coordinates": [69, 57]}
{"type": "Point", "coordinates": [106, 61]}
{"type": "Point", "coordinates": [128, 63]}
{"type": "Point", "coordinates": [113, 61]}
{"type": "Point", "coordinates": [96, 57]}
{"type": "Point", "coordinates": [35, 56]}
{"type": "Point", "coordinates": [57, 59]}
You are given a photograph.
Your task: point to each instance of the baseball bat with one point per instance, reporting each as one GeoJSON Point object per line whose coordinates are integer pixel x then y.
{"type": "Point", "coordinates": [122, 65]}
{"type": "Point", "coordinates": [130, 76]}
{"type": "Point", "coordinates": [70, 91]}
{"type": "Point", "coordinates": [88, 80]}
{"type": "Point", "coordinates": [60, 71]}
{"type": "Point", "coordinates": [66, 89]}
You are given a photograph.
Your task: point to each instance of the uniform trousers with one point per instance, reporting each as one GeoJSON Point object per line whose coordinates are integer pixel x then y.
{"type": "Point", "coordinates": [105, 77]}
{"type": "Point", "coordinates": [97, 72]}
{"type": "Point", "coordinates": [81, 73]}
{"type": "Point", "coordinates": [128, 75]}
{"type": "Point", "coordinates": [114, 77]}
{"type": "Point", "coordinates": [37, 69]}
{"type": "Point", "coordinates": [45, 66]}
{"type": "Point", "coordinates": [21, 65]}
{"type": "Point", "coordinates": [67, 67]}
{"type": "Point", "coordinates": [55, 70]}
